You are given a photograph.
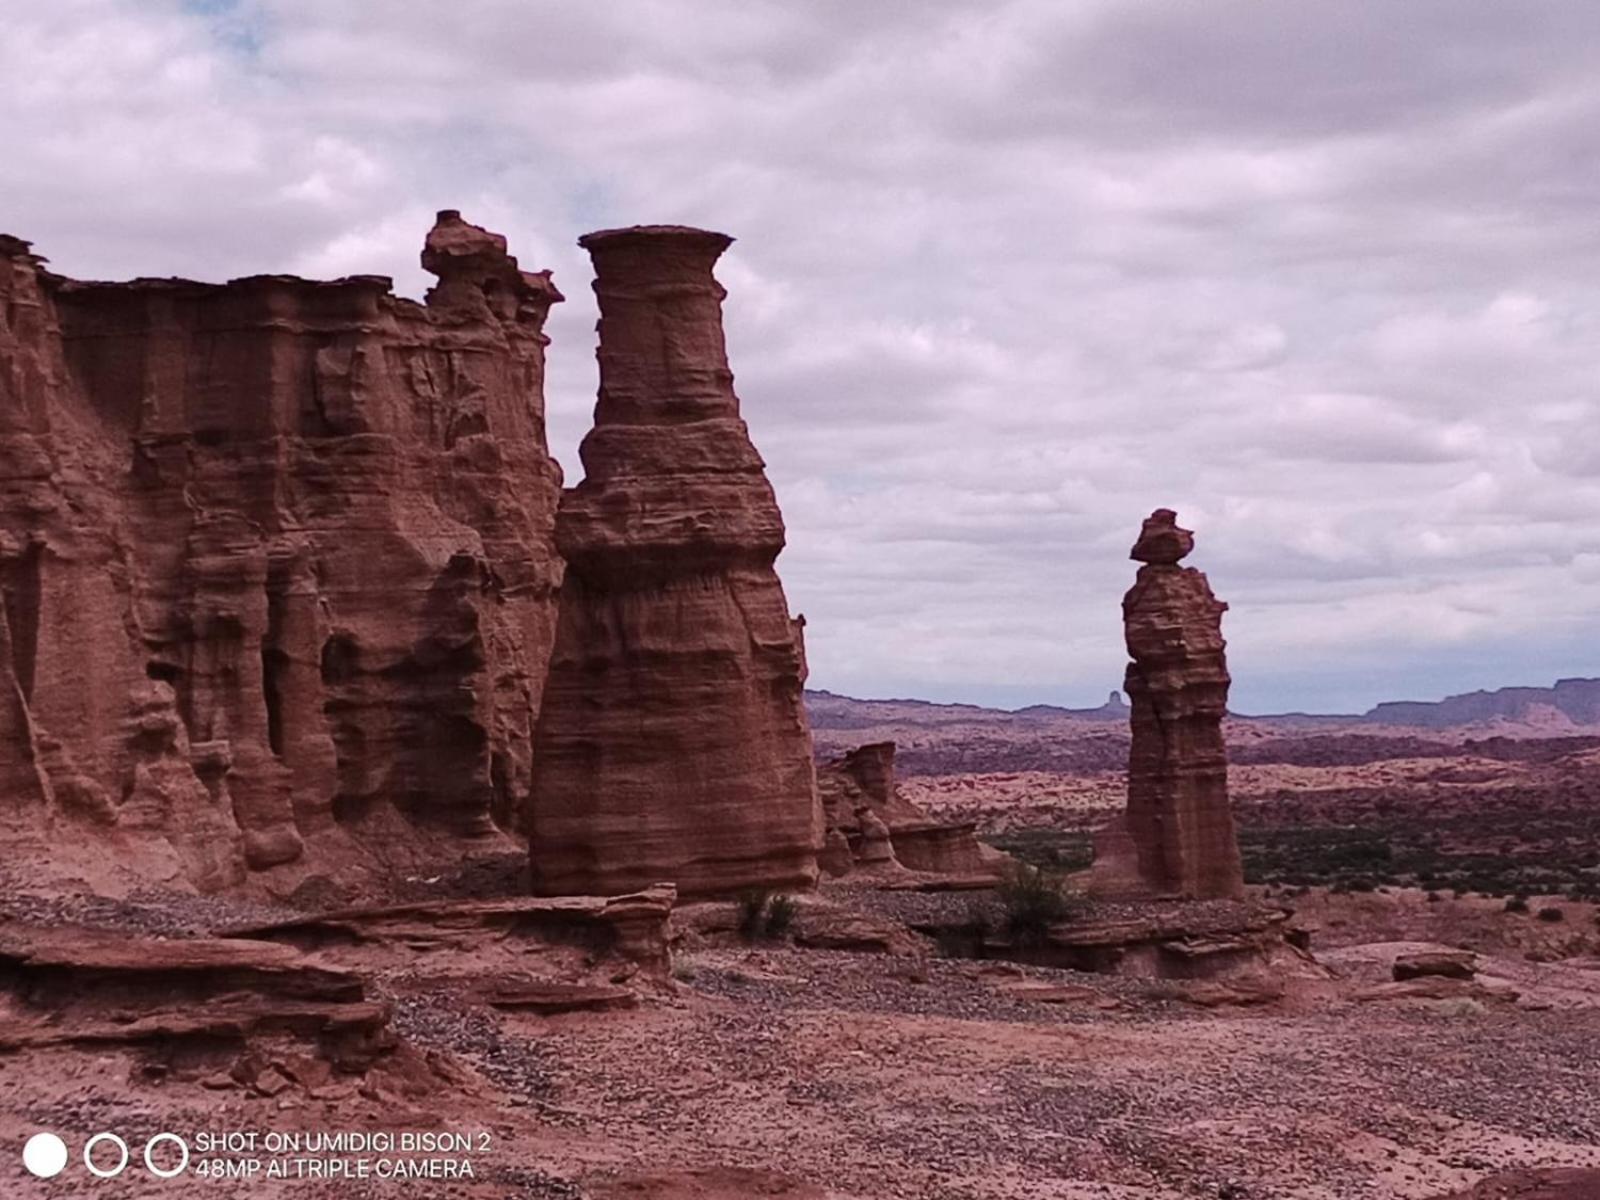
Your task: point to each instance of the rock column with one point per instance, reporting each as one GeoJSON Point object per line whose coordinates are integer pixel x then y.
{"type": "Point", "coordinates": [1178, 812]}
{"type": "Point", "coordinates": [672, 743]}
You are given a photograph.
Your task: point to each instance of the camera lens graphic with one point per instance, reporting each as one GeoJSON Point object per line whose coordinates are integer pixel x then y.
{"type": "Point", "coordinates": [88, 1155]}
{"type": "Point", "coordinates": [44, 1155]}
{"type": "Point", "coordinates": [149, 1160]}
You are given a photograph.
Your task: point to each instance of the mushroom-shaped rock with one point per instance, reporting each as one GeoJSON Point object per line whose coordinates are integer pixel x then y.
{"type": "Point", "coordinates": [673, 743]}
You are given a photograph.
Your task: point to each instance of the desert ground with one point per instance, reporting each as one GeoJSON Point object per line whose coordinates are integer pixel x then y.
{"type": "Point", "coordinates": [857, 1056]}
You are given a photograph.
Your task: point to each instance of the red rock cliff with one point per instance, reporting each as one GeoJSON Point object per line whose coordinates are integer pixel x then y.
{"type": "Point", "coordinates": [673, 744]}
{"type": "Point", "coordinates": [1178, 812]}
{"type": "Point", "coordinates": [276, 555]}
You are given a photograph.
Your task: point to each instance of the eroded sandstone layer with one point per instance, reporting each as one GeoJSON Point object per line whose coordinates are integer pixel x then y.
{"type": "Point", "coordinates": [277, 558]}
{"type": "Point", "coordinates": [871, 825]}
{"type": "Point", "coordinates": [1178, 816]}
{"type": "Point", "coordinates": [672, 745]}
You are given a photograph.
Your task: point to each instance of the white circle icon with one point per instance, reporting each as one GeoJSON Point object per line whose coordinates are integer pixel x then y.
{"type": "Point", "coordinates": [88, 1152]}
{"type": "Point", "coordinates": [183, 1163]}
{"type": "Point", "coordinates": [45, 1155]}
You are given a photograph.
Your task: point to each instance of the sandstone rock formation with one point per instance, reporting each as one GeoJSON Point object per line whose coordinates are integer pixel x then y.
{"type": "Point", "coordinates": [673, 744]}
{"type": "Point", "coordinates": [276, 557]}
{"type": "Point", "coordinates": [871, 825]}
{"type": "Point", "coordinates": [1156, 940]}
{"type": "Point", "coordinates": [1178, 814]}
{"type": "Point", "coordinates": [611, 929]}
{"type": "Point", "coordinates": [1446, 964]}
{"type": "Point", "coordinates": [73, 985]}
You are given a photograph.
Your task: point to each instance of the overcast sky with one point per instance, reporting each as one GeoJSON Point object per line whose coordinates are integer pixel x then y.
{"type": "Point", "coordinates": [1323, 277]}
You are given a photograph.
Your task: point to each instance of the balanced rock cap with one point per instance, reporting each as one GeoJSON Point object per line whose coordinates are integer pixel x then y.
{"type": "Point", "coordinates": [636, 234]}
{"type": "Point", "coordinates": [1160, 539]}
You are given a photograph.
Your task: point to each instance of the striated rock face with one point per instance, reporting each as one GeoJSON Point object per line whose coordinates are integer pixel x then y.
{"type": "Point", "coordinates": [71, 985]}
{"type": "Point", "coordinates": [871, 825]}
{"type": "Point", "coordinates": [672, 744]}
{"type": "Point", "coordinates": [495, 933]}
{"type": "Point", "coordinates": [277, 557]}
{"type": "Point", "coordinates": [1178, 815]}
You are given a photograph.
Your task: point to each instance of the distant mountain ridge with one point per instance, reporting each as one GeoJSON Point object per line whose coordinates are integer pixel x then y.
{"type": "Point", "coordinates": [1570, 700]}
{"type": "Point", "coordinates": [1576, 699]}
{"type": "Point", "coordinates": [830, 710]}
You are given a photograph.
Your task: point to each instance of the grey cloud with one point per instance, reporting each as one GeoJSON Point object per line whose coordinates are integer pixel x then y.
{"type": "Point", "coordinates": [1008, 276]}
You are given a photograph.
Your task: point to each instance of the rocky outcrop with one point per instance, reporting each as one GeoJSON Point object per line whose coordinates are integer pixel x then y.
{"type": "Point", "coordinates": [1155, 940]}
{"type": "Point", "coordinates": [871, 826]}
{"type": "Point", "coordinates": [1444, 964]}
{"type": "Point", "coordinates": [277, 559]}
{"type": "Point", "coordinates": [630, 928]}
{"type": "Point", "coordinates": [672, 744]}
{"type": "Point", "coordinates": [75, 986]}
{"type": "Point", "coordinates": [1178, 814]}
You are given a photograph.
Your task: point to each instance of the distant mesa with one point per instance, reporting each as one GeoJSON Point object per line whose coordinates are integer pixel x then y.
{"type": "Point", "coordinates": [1570, 700]}
{"type": "Point", "coordinates": [1578, 700]}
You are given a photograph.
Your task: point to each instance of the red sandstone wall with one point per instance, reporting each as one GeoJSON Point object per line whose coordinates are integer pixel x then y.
{"type": "Point", "coordinates": [276, 556]}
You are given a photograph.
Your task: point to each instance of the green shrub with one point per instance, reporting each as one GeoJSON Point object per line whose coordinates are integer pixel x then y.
{"type": "Point", "coordinates": [1552, 914]}
{"type": "Point", "coordinates": [780, 916]}
{"type": "Point", "coordinates": [1517, 904]}
{"type": "Point", "coordinates": [1033, 901]}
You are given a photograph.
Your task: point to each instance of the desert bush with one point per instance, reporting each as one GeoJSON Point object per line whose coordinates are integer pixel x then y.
{"type": "Point", "coordinates": [752, 907]}
{"type": "Point", "coordinates": [1470, 852]}
{"type": "Point", "coordinates": [684, 971]}
{"type": "Point", "coordinates": [763, 915]}
{"type": "Point", "coordinates": [1552, 914]}
{"type": "Point", "coordinates": [781, 912]}
{"type": "Point", "coordinates": [965, 940]}
{"type": "Point", "coordinates": [980, 921]}
{"type": "Point", "coordinates": [1517, 904]}
{"type": "Point", "coordinates": [1033, 900]}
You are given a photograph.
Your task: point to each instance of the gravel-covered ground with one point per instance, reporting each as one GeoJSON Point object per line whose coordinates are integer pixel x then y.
{"type": "Point", "coordinates": [878, 1077]}
{"type": "Point", "coordinates": [939, 1082]}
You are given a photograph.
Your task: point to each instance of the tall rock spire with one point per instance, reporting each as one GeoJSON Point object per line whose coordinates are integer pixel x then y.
{"type": "Point", "coordinates": [672, 743]}
{"type": "Point", "coordinates": [1177, 684]}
